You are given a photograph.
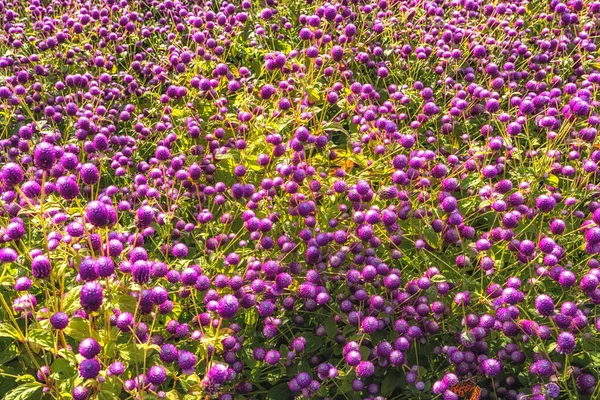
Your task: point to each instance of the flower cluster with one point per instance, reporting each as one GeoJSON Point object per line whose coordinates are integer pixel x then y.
{"type": "Point", "coordinates": [361, 199]}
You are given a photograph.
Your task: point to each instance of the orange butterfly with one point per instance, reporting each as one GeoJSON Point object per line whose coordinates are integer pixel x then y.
{"type": "Point", "coordinates": [467, 390]}
{"type": "Point", "coordinates": [346, 165]}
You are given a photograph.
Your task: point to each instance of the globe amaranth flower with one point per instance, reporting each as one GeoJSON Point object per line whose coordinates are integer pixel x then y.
{"type": "Point", "coordinates": [98, 213]}
{"type": "Point", "coordinates": [44, 156]}
{"type": "Point", "coordinates": [156, 375]}
{"type": "Point", "coordinates": [59, 320]}
{"type": "Point", "coordinates": [365, 369]}
{"type": "Point", "coordinates": [186, 361]}
{"type": "Point", "coordinates": [89, 348]}
{"type": "Point", "coordinates": [91, 295]}
{"type": "Point", "coordinates": [40, 267]}
{"type": "Point", "coordinates": [565, 343]}
{"type": "Point", "coordinates": [544, 305]}
{"type": "Point", "coordinates": [89, 368]}
{"type": "Point", "coordinates": [227, 306]}
{"type": "Point", "coordinates": [8, 255]}
{"type": "Point", "coordinates": [11, 174]}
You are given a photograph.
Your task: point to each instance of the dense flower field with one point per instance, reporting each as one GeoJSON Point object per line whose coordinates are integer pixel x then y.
{"type": "Point", "coordinates": [363, 199]}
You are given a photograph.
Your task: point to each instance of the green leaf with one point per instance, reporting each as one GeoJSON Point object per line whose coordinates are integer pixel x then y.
{"type": "Point", "coordinates": [78, 328]}
{"type": "Point", "coordinates": [71, 301]}
{"type": "Point", "coordinates": [106, 395]}
{"type": "Point", "coordinates": [62, 369]}
{"type": "Point", "coordinates": [390, 382]}
{"type": "Point", "coordinates": [430, 235]}
{"type": "Point", "coordinates": [7, 330]}
{"type": "Point", "coordinates": [126, 303]}
{"type": "Point", "coordinates": [279, 392]}
{"type": "Point", "coordinates": [41, 337]}
{"type": "Point", "coordinates": [251, 317]}
{"type": "Point", "coordinates": [364, 352]}
{"type": "Point", "coordinates": [8, 354]}
{"type": "Point", "coordinates": [23, 392]}
{"type": "Point", "coordinates": [330, 328]}
{"type": "Point", "coordinates": [313, 94]}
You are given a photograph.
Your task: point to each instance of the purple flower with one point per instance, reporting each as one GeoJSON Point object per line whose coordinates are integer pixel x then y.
{"type": "Point", "coordinates": [227, 306]}
{"type": "Point", "coordinates": [89, 368]}
{"type": "Point", "coordinates": [44, 156]}
{"type": "Point", "coordinates": [59, 320]}
{"type": "Point", "coordinates": [90, 297]}
{"type": "Point", "coordinates": [40, 267]}
{"type": "Point", "coordinates": [89, 348]}
{"type": "Point", "coordinates": [156, 375]}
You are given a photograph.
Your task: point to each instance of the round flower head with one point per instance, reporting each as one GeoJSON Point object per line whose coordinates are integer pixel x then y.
{"type": "Point", "coordinates": [491, 367]}
{"type": "Point", "coordinates": [40, 267]}
{"type": "Point", "coordinates": [104, 267]}
{"type": "Point", "coordinates": [23, 283]}
{"type": "Point", "coordinates": [586, 383]}
{"type": "Point", "coordinates": [89, 368]}
{"type": "Point", "coordinates": [11, 174]}
{"type": "Point", "coordinates": [89, 348]}
{"type": "Point", "coordinates": [140, 271]}
{"type": "Point", "coordinates": [227, 306]}
{"type": "Point", "coordinates": [217, 374]}
{"type": "Point", "coordinates": [565, 343]}
{"type": "Point", "coordinates": [156, 375]}
{"type": "Point", "coordinates": [544, 305]}
{"type": "Point", "coordinates": [365, 369]}
{"type": "Point", "coordinates": [145, 216]}
{"type": "Point", "coordinates": [97, 213]}
{"type": "Point", "coordinates": [44, 156]}
{"type": "Point", "coordinates": [116, 368]}
{"type": "Point", "coordinates": [8, 255]}
{"type": "Point", "coordinates": [370, 324]}
{"type": "Point", "coordinates": [80, 393]}
{"type": "Point", "coordinates": [89, 174]}
{"type": "Point", "coordinates": [67, 188]}
{"type": "Point", "coordinates": [90, 297]}
{"type": "Point", "coordinates": [59, 320]}
{"type": "Point", "coordinates": [186, 361]}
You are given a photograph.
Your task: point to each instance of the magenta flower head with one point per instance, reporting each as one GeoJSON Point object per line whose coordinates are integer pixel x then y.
{"type": "Point", "coordinates": [145, 216]}
{"type": "Point", "coordinates": [156, 375]}
{"type": "Point", "coordinates": [44, 156]}
{"type": "Point", "coordinates": [90, 297]}
{"type": "Point", "coordinates": [89, 174]}
{"type": "Point", "coordinates": [89, 368]}
{"type": "Point", "coordinates": [59, 320]}
{"type": "Point", "coordinates": [11, 174]}
{"type": "Point", "coordinates": [186, 361]}
{"type": "Point", "coordinates": [8, 255]}
{"type": "Point", "coordinates": [586, 383]}
{"type": "Point", "coordinates": [565, 343]}
{"type": "Point", "coordinates": [98, 213]}
{"type": "Point", "coordinates": [544, 305]}
{"type": "Point", "coordinates": [227, 306]}
{"type": "Point", "coordinates": [491, 367]}
{"type": "Point", "coordinates": [67, 188]}
{"type": "Point", "coordinates": [80, 393]}
{"type": "Point", "coordinates": [89, 348]}
{"type": "Point", "coordinates": [40, 267]}
{"type": "Point", "coordinates": [365, 369]}
{"type": "Point", "coordinates": [217, 374]}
